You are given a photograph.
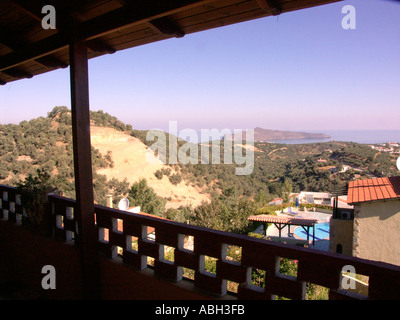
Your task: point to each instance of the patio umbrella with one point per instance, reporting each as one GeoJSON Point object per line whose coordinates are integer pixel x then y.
{"type": "Point", "coordinates": [297, 202]}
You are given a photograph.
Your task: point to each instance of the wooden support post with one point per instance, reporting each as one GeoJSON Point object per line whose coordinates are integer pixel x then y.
{"type": "Point", "coordinates": [87, 234]}
{"type": "Point", "coordinates": [313, 236]}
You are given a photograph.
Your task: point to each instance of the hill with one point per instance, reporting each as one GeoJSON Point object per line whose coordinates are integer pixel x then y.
{"type": "Point", "coordinates": [196, 192]}
{"type": "Point", "coordinates": [129, 157]}
{"type": "Point", "coordinates": [119, 159]}
{"type": "Point", "coordinates": [266, 135]}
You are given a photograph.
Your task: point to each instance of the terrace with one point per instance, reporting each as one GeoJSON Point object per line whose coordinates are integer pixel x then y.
{"type": "Point", "coordinates": [125, 271]}
{"type": "Point", "coordinates": [91, 265]}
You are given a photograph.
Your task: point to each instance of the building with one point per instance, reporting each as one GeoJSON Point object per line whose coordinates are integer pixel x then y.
{"type": "Point", "coordinates": [374, 231]}
{"type": "Point", "coordinates": [279, 201]}
{"type": "Point", "coordinates": [341, 203]}
{"type": "Point", "coordinates": [315, 197]}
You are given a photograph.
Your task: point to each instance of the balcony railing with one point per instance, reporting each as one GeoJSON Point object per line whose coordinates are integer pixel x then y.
{"type": "Point", "coordinates": [119, 230]}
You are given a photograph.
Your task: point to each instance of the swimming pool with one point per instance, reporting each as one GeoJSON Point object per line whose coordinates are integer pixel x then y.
{"type": "Point", "coordinates": [321, 232]}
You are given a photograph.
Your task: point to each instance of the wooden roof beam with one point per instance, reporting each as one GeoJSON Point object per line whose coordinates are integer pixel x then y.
{"type": "Point", "coordinates": [33, 12]}
{"type": "Point", "coordinates": [10, 39]}
{"type": "Point", "coordinates": [98, 45]}
{"type": "Point", "coordinates": [34, 51]}
{"type": "Point", "coordinates": [17, 73]}
{"type": "Point", "coordinates": [270, 6]}
{"type": "Point", "coordinates": [64, 21]}
{"type": "Point", "coordinates": [14, 42]}
{"type": "Point", "coordinates": [34, 8]}
{"type": "Point", "coordinates": [137, 12]}
{"type": "Point", "coordinates": [51, 62]}
{"type": "Point", "coordinates": [166, 27]}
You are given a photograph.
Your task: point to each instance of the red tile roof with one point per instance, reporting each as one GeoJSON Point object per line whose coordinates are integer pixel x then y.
{"type": "Point", "coordinates": [374, 189]}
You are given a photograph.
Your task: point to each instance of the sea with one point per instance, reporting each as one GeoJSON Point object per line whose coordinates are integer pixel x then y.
{"type": "Point", "coordinates": [359, 136]}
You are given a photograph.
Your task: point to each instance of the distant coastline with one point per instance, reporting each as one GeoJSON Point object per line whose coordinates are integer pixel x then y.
{"type": "Point", "coordinates": [358, 136]}
{"type": "Point", "coordinates": [268, 135]}
{"type": "Point", "coordinates": [261, 134]}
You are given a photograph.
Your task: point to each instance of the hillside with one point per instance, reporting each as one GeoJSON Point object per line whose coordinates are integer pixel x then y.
{"type": "Point", "coordinates": [120, 162]}
{"type": "Point", "coordinates": [129, 157]}
{"type": "Point", "coordinates": [118, 158]}
{"type": "Point", "coordinates": [266, 135]}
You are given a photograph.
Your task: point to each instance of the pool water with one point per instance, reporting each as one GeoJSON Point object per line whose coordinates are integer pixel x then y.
{"type": "Point", "coordinates": [321, 231]}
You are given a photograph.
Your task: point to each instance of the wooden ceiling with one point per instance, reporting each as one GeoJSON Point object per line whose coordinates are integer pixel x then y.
{"type": "Point", "coordinates": [26, 49]}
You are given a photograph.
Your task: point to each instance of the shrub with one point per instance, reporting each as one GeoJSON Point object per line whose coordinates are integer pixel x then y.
{"type": "Point", "coordinates": [140, 194]}
{"type": "Point", "coordinates": [175, 178]}
{"type": "Point", "coordinates": [158, 174]}
{"type": "Point", "coordinates": [271, 210]}
{"type": "Point", "coordinates": [34, 191]}
{"type": "Point", "coordinates": [166, 171]}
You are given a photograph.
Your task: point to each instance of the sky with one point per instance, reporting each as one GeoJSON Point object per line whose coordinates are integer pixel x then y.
{"type": "Point", "coordinates": [297, 71]}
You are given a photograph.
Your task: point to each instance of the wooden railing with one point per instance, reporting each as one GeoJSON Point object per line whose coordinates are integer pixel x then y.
{"type": "Point", "coordinates": [10, 205]}
{"type": "Point", "coordinates": [119, 230]}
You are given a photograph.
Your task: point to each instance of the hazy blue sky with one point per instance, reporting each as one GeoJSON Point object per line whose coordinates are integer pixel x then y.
{"type": "Point", "coordinates": [297, 71]}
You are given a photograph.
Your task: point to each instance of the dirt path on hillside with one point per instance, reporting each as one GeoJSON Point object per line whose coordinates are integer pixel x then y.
{"type": "Point", "coordinates": [130, 162]}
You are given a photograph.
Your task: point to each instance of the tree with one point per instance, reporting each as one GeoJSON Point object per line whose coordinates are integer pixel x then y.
{"type": "Point", "coordinates": [175, 178]}
{"type": "Point", "coordinates": [118, 189]}
{"type": "Point", "coordinates": [227, 215]}
{"type": "Point", "coordinates": [262, 198]}
{"type": "Point", "coordinates": [287, 189]}
{"type": "Point", "coordinates": [140, 194]}
{"type": "Point", "coordinates": [34, 192]}
{"type": "Point", "coordinates": [182, 214]}
{"type": "Point", "coordinates": [3, 171]}
{"type": "Point", "coordinates": [158, 174]}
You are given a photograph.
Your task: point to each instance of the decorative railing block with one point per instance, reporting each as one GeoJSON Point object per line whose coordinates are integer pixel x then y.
{"type": "Point", "coordinates": [285, 286]}
{"type": "Point", "coordinates": [150, 249]}
{"type": "Point", "coordinates": [187, 259]}
{"type": "Point", "coordinates": [168, 238]}
{"type": "Point", "coordinates": [167, 270]}
{"type": "Point", "coordinates": [232, 271]}
{"type": "Point", "coordinates": [210, 283]}
{"type": "Point", "coordinates": [249, 292]}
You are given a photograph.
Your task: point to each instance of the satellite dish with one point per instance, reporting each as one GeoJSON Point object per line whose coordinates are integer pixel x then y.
{"type": "Point", "coordinates": [123, 204]}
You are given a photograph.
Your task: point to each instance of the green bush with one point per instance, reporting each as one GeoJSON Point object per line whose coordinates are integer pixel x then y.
{"type": "Point", "coordinates": [271, 209]}
{"type": "Point", "coordinates": [158, 174]}
{"type": "Point", "coordinates": [34, 198]}
{"type": "Point", "coordinates": [140, 194]}
{"type": "Point", "coordinates": [175, 178]}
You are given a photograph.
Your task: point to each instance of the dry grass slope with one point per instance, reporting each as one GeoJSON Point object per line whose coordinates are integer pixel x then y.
{"type": "Point", "coordinates": [130, 162]}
